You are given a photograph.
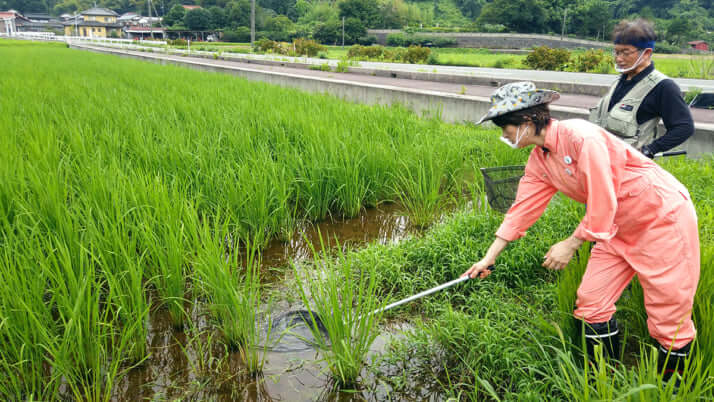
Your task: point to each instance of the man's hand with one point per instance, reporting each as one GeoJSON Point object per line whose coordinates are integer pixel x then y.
{"type": "Point", "coordinates": [647, 151]}
{"type": "Point", "coordinates": [561, 253]}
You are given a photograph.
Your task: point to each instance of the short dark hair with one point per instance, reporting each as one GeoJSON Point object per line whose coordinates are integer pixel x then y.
{"type": "Point", "coordinates": [633, 31]}
{"type": "Point", "coordinates": [539, 115]}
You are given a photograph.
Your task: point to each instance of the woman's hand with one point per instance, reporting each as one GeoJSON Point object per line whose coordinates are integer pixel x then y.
{"type": "Point", "coordinates": [561, 253]}
{"type": "Point", "coordinates": [480, 269]}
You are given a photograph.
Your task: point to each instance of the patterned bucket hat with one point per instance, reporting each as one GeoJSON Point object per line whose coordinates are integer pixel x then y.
{"type": "Point", "coordinates": [516, 96]}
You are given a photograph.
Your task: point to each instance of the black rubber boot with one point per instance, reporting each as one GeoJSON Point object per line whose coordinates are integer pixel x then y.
{"type": "Point", "coordinates": [671, 361]}
{"type": "Point", "coordinates": [603, 333]}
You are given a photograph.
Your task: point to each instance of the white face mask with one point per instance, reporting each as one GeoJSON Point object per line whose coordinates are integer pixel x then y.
{"type": "Point", "coordinates": [519, 137]}
{"type": "Point", "coordinates": [627, 70]}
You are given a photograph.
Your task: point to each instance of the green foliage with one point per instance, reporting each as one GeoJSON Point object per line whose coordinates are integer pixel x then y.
{"type": "Point", "coordinates": [365, 11]}
{"type": "Point", "coordinates": [416, 40]}
{"type": "Point", "coordinates": [198, 19]}
{"type": "Point", "coordinates": [177, 42]}
{"type": "Point", "coordinates": [518, 15]}
{"type": "Point", "coordinates": [174, 16]}
{"type": "Point", "coordinates": [342, 297]}
{"type": "Point", "coordinates": [321, 67]}
{"type": "Point", "coordinates": [691, 94]}
{"type": "Point", "coordinates": [307, 47]}
{"type": "Point", "coordinates": [545, 58]}
{"type": "Point", "coordinates": [343, 67]}
{"type": "Point", "coordinates": [416, 54]}
{"type": "Point", "coordinates": [593, 61]}
{"type": "Point", "coordinates": [240, 35]}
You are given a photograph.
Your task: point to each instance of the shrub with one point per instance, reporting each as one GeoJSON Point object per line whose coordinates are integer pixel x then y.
{"type": "Point", "coordinates": [417, 54]}
{"type": "Point", "coordinates": [368, 52]}
{"type": "Point", "coordinates": [367, 40]}
{"type": "Point", "coordinates": [444, 42]}
{"type": "Point", "coordinates": [545, 58]}
{"type": "Point", "coordinates": [321, 67]}
{"type": "Point", "coordinates": [342, 66]}
{"type": "Point", "coordinates": [396, 54]}
{"type": "Point", "coordinates": [265, 45]}
{"type": "Point", "coordinates": [240, 34]}
{"type": "Point", "coordinates": [307, 47]}
{"type": "Point", "coordinates": [667, 48]}
{"type": "Point", "coordinates": [592, 61]}
{"type": "Point", "coordinates": [396, 40]}
{"type": "Point", "coordinates": [177, 42]}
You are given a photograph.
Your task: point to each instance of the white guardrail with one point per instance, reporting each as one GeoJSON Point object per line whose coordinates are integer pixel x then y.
{"type": "Point", "coordinates": [50, 36]}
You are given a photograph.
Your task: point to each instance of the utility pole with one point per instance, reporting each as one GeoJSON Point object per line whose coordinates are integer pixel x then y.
{"type": "Point", "coordinates": [343, 31]}
{"type": "Point", "coordinates": [252, 23]}
{"type": "Point", "coordinates": [565, 16]}
{"type": "Point", "coordinates": [151, 27]}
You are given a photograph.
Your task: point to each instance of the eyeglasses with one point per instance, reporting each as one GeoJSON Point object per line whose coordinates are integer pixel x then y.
{"type": "Point", "coordinates": [624, 53]}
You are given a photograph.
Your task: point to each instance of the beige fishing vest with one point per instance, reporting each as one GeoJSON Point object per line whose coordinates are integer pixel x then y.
{"type": "Point", "coordinates": [622, 118]}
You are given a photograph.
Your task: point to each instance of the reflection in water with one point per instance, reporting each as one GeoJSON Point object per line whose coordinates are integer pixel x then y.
{"type": "Point", "coordinates": [195, 365]}
{"type": "Point", "coordinates": [384, 224]}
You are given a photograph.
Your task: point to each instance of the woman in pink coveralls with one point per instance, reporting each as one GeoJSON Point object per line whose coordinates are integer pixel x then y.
{"type": "Point", "coordinates": [641, 218]}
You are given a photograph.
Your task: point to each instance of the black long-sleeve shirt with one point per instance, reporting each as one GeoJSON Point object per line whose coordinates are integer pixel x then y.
{"type": "Point", "coordinates": [664, 101]}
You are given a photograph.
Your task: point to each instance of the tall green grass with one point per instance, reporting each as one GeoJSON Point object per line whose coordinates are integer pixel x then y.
{"type": "Point", "coordinates": [340, 298]}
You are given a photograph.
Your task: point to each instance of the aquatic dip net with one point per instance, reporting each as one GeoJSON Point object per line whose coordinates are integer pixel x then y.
{"type": "Point", "coordinates": [502, 185]}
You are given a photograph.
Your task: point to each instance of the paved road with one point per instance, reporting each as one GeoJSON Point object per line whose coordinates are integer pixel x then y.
{"type": "Point", "coordinates": [570, 100]}
{"type": "Point", "coordinates": [556, 76]}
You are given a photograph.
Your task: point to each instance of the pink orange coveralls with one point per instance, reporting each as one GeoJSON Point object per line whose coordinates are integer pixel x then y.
{"type": "Point", "coordinates": [641, 217]}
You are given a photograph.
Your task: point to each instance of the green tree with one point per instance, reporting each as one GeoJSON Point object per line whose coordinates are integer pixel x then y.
{"type": "Point", "coordinates": [174, 16]}
{"type": "Point", "coordinates": [329, 32]}
{"type": "Point", "coordinates": [366, 11]}
{"type": "Point", "coordinates": [219, 18]}
{"type": "Point", "coordinates": [239, 14]}
{"type": "Point", "coordinates": [283, 7]}
{"type": "Point", "coordinates": [470, 8]}
{"type": "Point", "coordinates": [198, 19]}
{"type": "Point", "coordinates": [591, 18]}
{"type": "Point", "coordinates": [279, 23]}
{"type": "Point", "coordinates": [518, 15]}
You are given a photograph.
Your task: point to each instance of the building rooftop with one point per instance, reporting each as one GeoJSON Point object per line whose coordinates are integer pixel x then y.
{"type": "Point", "coordinates": [99, 11]}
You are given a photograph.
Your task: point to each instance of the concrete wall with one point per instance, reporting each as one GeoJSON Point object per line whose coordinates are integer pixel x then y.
{"type": "Point", "coordinates": [451, 108]}
{"type": "Point", "coordinates": [497, 40]}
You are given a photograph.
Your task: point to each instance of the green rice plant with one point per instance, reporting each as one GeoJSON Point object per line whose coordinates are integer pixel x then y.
{"type": "Point", "coordinates": [573, 379]}
{"type": "Point", "coordinates": [123, 270]}
{"type": "Point", "coordinates": [165, 229]}
{"type": "Point", "coordinates": [566, 292]}
{"type": "Point", "coordinates": [26, 323]}
{"type": "Point", "coordinates": [198, 349]}
{"type": "Point", "coordinates": [235, 298]}
{"type": "Point", "coordinates": [420, 188]}
{"type": "Point", "coordinates": [86, 353]}
{"type": "Point", "coordinates": [703, 310]}
{"type": "Point", "coordinates": [341, 297]}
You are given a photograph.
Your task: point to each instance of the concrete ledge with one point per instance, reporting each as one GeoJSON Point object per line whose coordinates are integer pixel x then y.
{"type": "Point", "coordinates": [452, 108]}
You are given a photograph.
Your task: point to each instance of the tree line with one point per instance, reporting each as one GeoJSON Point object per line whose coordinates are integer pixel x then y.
{"type": "Point", "coordinates": [677, 21]}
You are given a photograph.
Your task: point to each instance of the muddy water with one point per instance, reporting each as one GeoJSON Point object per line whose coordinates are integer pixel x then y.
{"type": "Point", "coordinates": [384, 224]}
{"type": "Point", "coordinates": [193, 364]}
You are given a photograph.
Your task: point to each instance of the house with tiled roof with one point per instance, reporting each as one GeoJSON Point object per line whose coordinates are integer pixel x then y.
{"type": "Point", "coordinates": [96, 22]}
{"type": "Point", "coordinates": [10, 20]}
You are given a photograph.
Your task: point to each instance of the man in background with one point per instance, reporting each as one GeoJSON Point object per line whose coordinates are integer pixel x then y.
{"type": "Point", "coordinates": [642, 95]}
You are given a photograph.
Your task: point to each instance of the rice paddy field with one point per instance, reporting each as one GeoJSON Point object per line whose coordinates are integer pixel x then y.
{"type": "Point", "coordinates": [138, 202]}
